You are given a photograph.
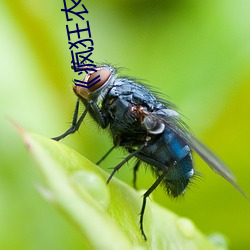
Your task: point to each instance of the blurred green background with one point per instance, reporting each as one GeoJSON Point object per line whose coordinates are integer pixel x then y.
{"type": "Point", "coordinates": [195, 52]}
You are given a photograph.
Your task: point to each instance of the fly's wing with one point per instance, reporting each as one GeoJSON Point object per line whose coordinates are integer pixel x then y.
{"type": "Point", "coordinates": [212, 160]}
{"type": "Point", "coordinates": [175, 124]}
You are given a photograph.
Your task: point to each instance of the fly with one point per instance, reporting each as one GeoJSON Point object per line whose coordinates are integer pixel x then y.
{"type": "Point", "coordinates": [149, 128]}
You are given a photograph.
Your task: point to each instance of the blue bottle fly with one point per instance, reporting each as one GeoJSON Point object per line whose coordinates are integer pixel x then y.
{"type": "Point", "coordinates": [148, 127]}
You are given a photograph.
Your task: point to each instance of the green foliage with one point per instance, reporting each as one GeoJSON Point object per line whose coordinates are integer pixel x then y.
{"type": "Point", "coordinates": [195, 52]}
{"type": "Point", "coordinates": [106, 216]}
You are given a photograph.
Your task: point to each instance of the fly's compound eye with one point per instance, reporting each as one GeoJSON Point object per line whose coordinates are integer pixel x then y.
{"type": "Point", "coordinates": [95, 79]}
{"type": "Point", "coordinates": [152, 125]}
{"type": "Point", "coordinates": [100, 76]}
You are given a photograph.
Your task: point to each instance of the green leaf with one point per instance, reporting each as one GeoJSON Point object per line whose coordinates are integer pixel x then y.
{"type": "Point", "coordinates": [107, 215]}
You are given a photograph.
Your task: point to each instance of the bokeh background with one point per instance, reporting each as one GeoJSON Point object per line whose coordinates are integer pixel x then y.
{"type": "Point", "coordinates": [195, 52]}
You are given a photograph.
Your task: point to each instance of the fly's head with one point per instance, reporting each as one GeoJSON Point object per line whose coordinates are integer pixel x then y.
{"type": "Point", "coordinates": [98, 79]}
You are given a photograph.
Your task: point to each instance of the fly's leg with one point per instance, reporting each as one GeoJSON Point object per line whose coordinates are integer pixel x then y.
{"type": "Point", "coordinates": [95, 111]}
{"type": "Point", "coordinates": [124, 161]}
{"type": "Point", "coordinates": [75, 124]}
{"type": "Point", "coordinates": [105, 155]}
{"type": "Point", "coordinates": [136, 167]}
{"type": "Point", "coordinates": [145, 196]}
{"type": "Point", "coordinates": [90, 107]}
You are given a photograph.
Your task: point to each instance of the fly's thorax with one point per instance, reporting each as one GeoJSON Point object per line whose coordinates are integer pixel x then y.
{"type": "Point", "coordinates": [154, 122]}
{"type": "Point", "coordinates": [98, 91]}
{"type": "Point", "coordinates": [152, 125]}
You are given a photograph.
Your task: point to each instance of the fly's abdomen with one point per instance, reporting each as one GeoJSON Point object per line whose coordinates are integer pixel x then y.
{"type": "Point", "coordinates": [178, 176]}
{"type": "Point", "coordinates": [170, 155]}
{"type": "Point", "coordinates": [180, 166]}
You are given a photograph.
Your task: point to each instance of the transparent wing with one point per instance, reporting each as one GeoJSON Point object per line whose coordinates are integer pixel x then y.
{"type": "Point", "coordinates": [208, 156]}
{"type": "Point", "coordinates": [175, 124]}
